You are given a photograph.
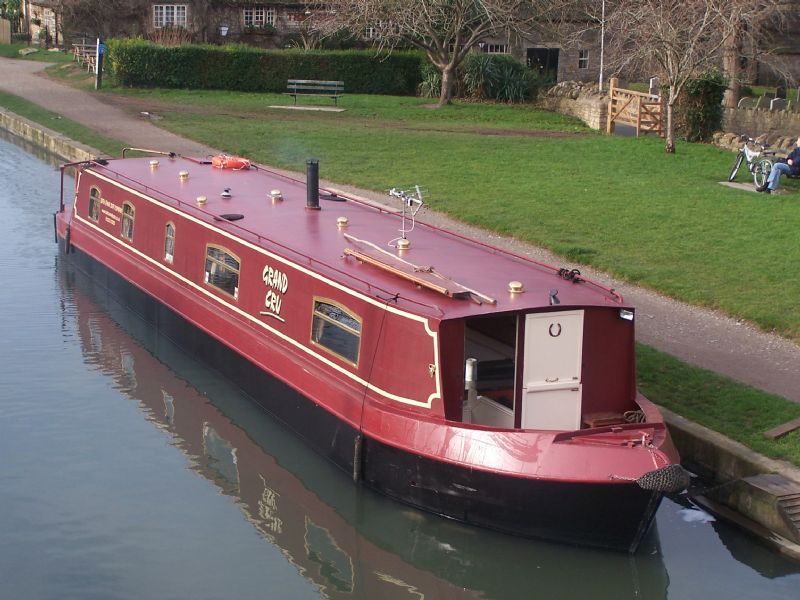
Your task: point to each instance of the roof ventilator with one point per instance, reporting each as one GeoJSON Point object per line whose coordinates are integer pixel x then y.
{"type": "Point", "coordinates": [312, 184]}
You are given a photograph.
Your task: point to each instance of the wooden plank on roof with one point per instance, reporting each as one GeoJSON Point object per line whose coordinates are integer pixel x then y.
{"type": "Point", "coordinates": [365, 258]}
{"type": "Point", "coordinates": [417, 274]}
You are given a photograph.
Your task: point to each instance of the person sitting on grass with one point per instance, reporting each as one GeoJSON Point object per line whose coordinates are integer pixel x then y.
{"type": "Point", "coordinates": [791, 167]}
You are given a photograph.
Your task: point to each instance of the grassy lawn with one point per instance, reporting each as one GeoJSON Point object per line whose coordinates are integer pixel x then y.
{"type": "Point", "coordinates": [737, 411]}
{"type": "Point", "coordinates": [69, 128]}
{"type": "Point", "coordinates": [620, 204]}
{"type": "Point", "coordinates": [12, 51]}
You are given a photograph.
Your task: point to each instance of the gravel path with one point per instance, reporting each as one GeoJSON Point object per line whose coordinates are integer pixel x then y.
{"type": "Point", "coordinates": [698, 336]}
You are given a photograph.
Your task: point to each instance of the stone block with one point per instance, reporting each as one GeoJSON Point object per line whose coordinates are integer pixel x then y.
{"type": "Point", "coordinates": [777, 104]}
{"type": "Point", "coordinates": [763, 498]}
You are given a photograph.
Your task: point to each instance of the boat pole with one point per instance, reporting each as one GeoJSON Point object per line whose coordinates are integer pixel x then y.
{"type": "Point", "coordinates": [471, 386]}
{"type": "Point", "coordinates": [358, 443]}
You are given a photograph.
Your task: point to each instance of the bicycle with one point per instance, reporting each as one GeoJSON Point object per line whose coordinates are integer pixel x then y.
{"type": "Point", "coordinates": [758, 162]}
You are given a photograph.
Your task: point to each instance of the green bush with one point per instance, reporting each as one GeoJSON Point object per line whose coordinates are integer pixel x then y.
{"type": "Point", "coordinates": [700, 107]}
{"type": "Point", "coordinates": [139, 63]}
{"type": "Point", "coordinates": [498, 77]}
{"type": "Point", "coordinates": [430, 85]}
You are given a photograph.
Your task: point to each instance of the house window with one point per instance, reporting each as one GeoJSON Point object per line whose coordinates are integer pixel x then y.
{"type": "Point", "coordinates": [222, 270]}
{"type": "Point", "coordinates": [94, 204]}
{"type": "Point", "coordinates": [583, 59]}
{"type": "Point", "coordinates": [258, 17]}
{"type": "Point", "coordinates": [127, 221]}
{"type": "Point", "coordinates": [169, 243]}
{"type": "Point", "coordinates": [496, 48]}
{"type": "Point", "coordinates": [169, 15]}
{"type": "Point", "coordinates": [373, 32]}
{"type": "Point", "coordinates": [336, 329]}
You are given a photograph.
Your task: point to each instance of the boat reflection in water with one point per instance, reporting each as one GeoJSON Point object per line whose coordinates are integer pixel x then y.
{"type": "Point", "coordinates": [348, 541]}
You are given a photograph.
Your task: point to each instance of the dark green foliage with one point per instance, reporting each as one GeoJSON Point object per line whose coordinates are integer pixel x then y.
{"type": "Point", "coordinates": [700, 107]}
{"type": "Point", "coordinates": [497, 77]}
{"type": "Point", "coordinates": [139, 63]}
{"type": "Point", "coordinates": [430, 84]}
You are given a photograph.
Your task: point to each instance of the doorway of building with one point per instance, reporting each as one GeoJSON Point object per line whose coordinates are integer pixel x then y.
{"type": "Point", "coordinates": [544, 61]}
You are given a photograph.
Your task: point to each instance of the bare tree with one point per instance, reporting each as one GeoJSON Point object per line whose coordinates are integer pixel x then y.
{"type": "Point", "coordinates": [673, 39]}
{"type": "Point", "coordinates": [446, 30]}
{"type": "Point", "coordinates": [751, 29]}
{"type": "Point", "coordinates": [98, 17]}
{"type": "Point", "coordinates": [315, 23]}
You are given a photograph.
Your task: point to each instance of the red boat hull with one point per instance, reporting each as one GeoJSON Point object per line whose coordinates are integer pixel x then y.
{"type": "Point", "coordinates": [611, 514]}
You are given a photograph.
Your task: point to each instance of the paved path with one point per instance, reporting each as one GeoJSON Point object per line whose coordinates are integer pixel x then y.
{"type": "Point", "coordinates": [697, 336]}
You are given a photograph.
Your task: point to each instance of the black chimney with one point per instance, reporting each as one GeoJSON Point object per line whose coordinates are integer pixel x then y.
{"type": "Point", "coordinates": [312, 183]}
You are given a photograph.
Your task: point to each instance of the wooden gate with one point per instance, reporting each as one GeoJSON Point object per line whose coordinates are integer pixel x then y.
{"type": "Point", "coordinates": [5, 31]}
{"type": "Point", "coordinates": [639, 109]}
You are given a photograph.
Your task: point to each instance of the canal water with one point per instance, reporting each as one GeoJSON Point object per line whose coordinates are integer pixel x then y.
{"type": "Point", "coordinates": [129, 470]}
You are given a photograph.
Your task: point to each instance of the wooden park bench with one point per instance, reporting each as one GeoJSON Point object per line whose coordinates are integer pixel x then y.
{"type": "Point", "coordinates": [85, 55]}
{"type": "Point", "coordinates": [313, 87]}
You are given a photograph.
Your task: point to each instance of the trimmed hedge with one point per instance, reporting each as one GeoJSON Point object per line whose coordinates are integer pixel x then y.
{"type": "Point", "coordinates": [139, 63]}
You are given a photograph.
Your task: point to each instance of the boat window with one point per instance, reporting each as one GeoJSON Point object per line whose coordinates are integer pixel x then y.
{"type": "Point", "coordinates": [94, 204]}
{"type": "Point", "coordinates": [336, 329]}
{"type": "Point", "coordinates": [169, 242]}
{"type": "Point", "coordinates": [222, 270]}
{"type": "Point", "coordinates": [127, 221]}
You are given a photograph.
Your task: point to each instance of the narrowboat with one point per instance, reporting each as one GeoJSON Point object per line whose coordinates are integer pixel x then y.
{"type": "Point", "coordinates": [348, 542]}
{"type": "Point", "coordinates": [438, 370]}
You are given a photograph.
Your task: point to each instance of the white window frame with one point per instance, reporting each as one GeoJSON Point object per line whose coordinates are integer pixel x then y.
{"type": "Point", "coordinates": [258, 16]}
{"type": "Point", "coordinates": [583, 59]}
{"type": "Point", "coordinates": [254, 16]}
{"type": "Point", "coordinates": [374, 32]}
{"type": "Point", "coordinates": [169, 15]}
{"type": "Point", "coordinates": [496, 48]}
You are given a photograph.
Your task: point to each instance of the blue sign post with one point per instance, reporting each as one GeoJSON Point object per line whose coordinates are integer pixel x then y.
{"type": "Point", "coordinates": [98, 64]}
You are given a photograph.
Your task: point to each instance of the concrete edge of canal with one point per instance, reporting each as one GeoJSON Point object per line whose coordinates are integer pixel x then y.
{"type": "Point", "coordinates": [757, 493]}
{"type": "Point", "coordinates": [52, 141]}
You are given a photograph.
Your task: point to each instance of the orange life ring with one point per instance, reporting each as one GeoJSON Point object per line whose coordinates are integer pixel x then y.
{"type": "Point", "coordinates": [223, 161]}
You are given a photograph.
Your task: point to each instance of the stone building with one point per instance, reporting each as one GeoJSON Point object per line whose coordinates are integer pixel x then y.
{"type": "Point", "coordinates": [552, 58]}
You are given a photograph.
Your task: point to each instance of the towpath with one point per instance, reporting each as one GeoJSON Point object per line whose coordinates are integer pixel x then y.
{"type": "Point", "coordinates": [695, 335]}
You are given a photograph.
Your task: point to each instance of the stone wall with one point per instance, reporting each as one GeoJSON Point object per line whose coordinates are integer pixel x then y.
{"type": "Point", "coordinates": [580, 100]}
{"type": "Point", "coordinates": [755, 122]}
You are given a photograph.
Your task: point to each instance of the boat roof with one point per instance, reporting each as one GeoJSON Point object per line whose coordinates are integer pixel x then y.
{"type": "Point", "coordinates": [442, 274]}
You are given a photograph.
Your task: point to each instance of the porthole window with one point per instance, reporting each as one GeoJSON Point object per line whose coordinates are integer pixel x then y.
{"type": "Point", "coordinates": [222, 270]}
{"type": "Point", "coordinates": [94, 204]}
{"type": "Point", "coordinates": [336, 329]}
{"type": "Point", "coordinates": [127, 221]}
{"type": "Point", "coordinates": [169, 243]}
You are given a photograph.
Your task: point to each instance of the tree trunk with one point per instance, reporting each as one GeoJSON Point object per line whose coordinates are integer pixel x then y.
{"type": "Point", "coordinates": [732, 69]}
{"type": "Point", "coordinates": [669, 146]}
{"type": "Point", "coordinates": [446, 93]}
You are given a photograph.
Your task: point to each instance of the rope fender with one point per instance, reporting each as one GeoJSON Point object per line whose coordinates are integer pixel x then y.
{"type": "Point", "coordinates": [671, 479]}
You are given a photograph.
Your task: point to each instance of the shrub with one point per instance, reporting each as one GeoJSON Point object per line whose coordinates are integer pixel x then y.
{"type": "Point", "coordinates": [139, 63]}
{"type": "Point", "coordinates": [431, 84]}
{"type": "Point", "coordinates": [498, 77]}
{"type": "Point", "coordinates": [699, 112]}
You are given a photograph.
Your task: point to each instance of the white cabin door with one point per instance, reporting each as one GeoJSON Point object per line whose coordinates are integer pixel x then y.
{"type": "Point", "coordinates": [551, 376]}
